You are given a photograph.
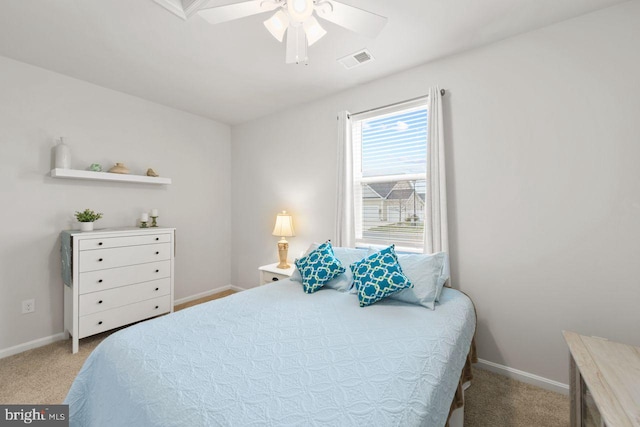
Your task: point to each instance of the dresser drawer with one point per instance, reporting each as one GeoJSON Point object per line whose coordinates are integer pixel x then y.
{"type": "Point", "coordinates": [118, 242]}
{"type": "Point", "coordinates": [100, 280]}
{"type": "Point", "coordinates": [100, 259]}
{"type": "Point", "coordinates": [109, 319]}
{"type": "Point", "coordinates": [105, 300]}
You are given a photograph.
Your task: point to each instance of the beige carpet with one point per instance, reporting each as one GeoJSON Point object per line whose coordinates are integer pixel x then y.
{"type": "Point", "coordinates": [494, 400]}
{"type": "Point", "coordinates": [44, 375]}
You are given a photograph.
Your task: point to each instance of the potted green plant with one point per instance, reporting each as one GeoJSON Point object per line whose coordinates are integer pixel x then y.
{"type": "Point", "coordinates": [86, 219]}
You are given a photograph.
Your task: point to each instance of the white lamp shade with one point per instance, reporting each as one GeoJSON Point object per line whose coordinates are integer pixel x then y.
{"type": "Point", "coordinates": [284, 225]}
{"type": "Point", "coordinates": [314, 31]}
{"type": "Point", "coordinates": [296, 44]}
{"type": "Point", "coordinates": [300, 10]}
{"type": "Point", "coordinates": [277, 24]}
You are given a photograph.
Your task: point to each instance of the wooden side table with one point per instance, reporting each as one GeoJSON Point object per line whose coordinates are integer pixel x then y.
{"type": "Point", "coordinates": [271, 273]}
{"type": "Point", "coordinates": [605, 382]}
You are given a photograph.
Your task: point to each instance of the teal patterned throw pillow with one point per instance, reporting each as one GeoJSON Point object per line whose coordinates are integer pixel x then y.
{"type": "Point", "coordinates": [319, 267]}
{"type": "Point", "coordinates": [378, 276]}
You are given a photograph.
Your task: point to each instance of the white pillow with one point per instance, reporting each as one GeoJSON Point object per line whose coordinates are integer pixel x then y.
{"type": "Point", "coordinates": [428, 273]}
{"type": "Point", "coordinates": [346, 256]}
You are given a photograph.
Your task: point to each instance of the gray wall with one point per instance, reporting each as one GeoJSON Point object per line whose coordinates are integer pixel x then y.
{"type": "Point", "coordinates": [544, 189]}
{"type": "Point", "coordinates": [102, 126]}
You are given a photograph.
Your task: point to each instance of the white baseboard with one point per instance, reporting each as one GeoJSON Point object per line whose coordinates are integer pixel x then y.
{"type": "Point", "coordinates": [31, 344]}
{"type": "Point", "coordinates": [57, 337]}
{"type": "Point", "coordinates": [207, 293]}
{"type": "Point", "coordinates": [524, 377]}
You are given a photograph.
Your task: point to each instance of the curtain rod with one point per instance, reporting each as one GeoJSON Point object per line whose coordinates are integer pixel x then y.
{"type": "Point", "coordinates": [442, 92]}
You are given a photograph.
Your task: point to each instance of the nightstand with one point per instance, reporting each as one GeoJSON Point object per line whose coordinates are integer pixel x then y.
{"type": "Point", "coordinates": [271, 273]}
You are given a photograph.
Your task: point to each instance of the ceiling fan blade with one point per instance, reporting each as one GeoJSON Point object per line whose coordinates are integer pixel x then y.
{"type": "Point", "coordinates": [357, 20]}
{"type": "Point", "coordinates": [231, 12]}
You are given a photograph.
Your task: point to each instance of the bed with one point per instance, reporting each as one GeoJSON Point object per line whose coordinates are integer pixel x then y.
{"type": "Point", "coordinates": [276, 356]}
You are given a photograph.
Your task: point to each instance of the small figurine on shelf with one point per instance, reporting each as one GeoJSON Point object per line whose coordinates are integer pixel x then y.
{"type": "Point", "coordinates": [144, 219]}
{"type": "Point", "coordinates": [119, 168]}
{"type": "Point", "coordinates": [154, 217]}
{"type": "Point", "coordinates": [95, 167]}
{"type": "Point", "coordinates": [151, 172]}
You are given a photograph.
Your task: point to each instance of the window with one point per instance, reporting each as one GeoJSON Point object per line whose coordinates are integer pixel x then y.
{"type": "Point", "coordinates": [390, 170]}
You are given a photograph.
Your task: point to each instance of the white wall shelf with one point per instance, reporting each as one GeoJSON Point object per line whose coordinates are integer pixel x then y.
{"type": "Point", "coordinates": [106, 176]}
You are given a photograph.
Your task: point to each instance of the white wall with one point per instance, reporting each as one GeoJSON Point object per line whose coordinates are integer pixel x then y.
{"type": "Point", "coordinates": [102, 126]}
{"type": "Point", "coordinates": [543, 181]}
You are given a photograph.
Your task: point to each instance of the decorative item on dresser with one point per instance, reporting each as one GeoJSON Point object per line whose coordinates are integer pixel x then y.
{"type": "Point", "coordinates": [115, 277]}
{"type": "Point", "coordinates": [272, 273]}
{"type": "Point", "coordinates": [144, 220]}
{"type": "Point", "coordinates": [86, 219]}
{"type": "Point", "coordinates": [283, 228]}
{"type": "Point", "coordinates": [604, 382]}
{"type": "Point", "coordinates": [154, 218]}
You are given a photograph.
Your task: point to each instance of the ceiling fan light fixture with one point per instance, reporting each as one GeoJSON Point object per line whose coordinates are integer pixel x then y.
{"type": "Point", "coordinates": [300, 10]}
{"type": "Point", "coordinates": [296, 45]}
{"type": "Point", "coordinates": [314, 30]}
{"type": "Point", "coordinates": [277, 25]}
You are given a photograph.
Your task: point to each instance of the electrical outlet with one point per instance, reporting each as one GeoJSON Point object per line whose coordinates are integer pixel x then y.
{"type": "Point", "coordinates": [28, 306]}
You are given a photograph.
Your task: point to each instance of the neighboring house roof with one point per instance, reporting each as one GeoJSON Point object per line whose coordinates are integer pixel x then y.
{"type": "Point", "coordinates": [400, 194]}
{"type": "Point", "coordinates": [369, 193]}
{"type": "Point", "coordinates": [390, 191]}
{"type": "Point", "coordinates": [382, 189]}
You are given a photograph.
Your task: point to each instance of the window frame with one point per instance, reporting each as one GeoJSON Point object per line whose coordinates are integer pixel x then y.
{"type": "Point", "coordinates": [357, 171]}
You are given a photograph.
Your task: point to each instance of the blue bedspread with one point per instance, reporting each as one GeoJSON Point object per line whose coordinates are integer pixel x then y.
{"type": "Point", "coordinates": [275, 356]}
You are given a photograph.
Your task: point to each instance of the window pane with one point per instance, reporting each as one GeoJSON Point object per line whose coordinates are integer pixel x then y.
{"type": "Point", "coordinates": [393, 212]}
{"type": "Point", "coordinates": [390, 165]}
{"type": "Point", "coordinates": [394, 144]}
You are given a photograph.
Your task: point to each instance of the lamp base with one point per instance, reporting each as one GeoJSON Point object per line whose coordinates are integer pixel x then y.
{"type": "Point", "coordinates": [283, 250]}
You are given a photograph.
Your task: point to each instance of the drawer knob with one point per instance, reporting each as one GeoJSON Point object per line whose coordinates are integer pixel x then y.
{"type": "Point", "coordinates": [100, 244]}
{"type": "Point", "coordinates": [157, 238]}
{"type": "Point", "coordinates": [157, 307]}
{"type": "Point", "coordinates": [157, 253]}
{"type": "Point", "coordinates": [99, 280]}
{"type": "Point", "coordinates": [100, 302]}
{"type": "Point", "coordinates": [157, 289]}
{"type": "Point", "coordinates": [99, 259]}
{"type": "Point", "coordinates": [274, 279]}
{"type": "Point", "coordinates": [157, 271]}
{"type": "Point", "coordinates": [100, 322]}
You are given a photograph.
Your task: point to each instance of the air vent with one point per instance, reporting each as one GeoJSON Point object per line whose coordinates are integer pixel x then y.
{"type": "Point", "coordinates": [356, 59]}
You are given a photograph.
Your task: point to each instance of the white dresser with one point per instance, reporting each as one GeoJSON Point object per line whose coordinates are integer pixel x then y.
{"type": "Point", "coordinates": [115, 277]}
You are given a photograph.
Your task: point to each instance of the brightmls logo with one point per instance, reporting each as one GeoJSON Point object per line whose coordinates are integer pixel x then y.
{"type": "Point", "coordinates": [37, 415]}
{"type": "Point", "coordinates": [28, 417]}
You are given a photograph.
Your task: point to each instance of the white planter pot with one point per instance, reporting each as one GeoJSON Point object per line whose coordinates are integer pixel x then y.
{"type": "Point", "coordinates": [86, 226]}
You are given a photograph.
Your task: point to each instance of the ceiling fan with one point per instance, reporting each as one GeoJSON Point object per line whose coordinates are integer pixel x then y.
{"type": "Point", "coordinates": [297, 20]}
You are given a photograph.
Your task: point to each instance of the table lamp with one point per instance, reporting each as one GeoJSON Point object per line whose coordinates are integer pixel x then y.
{"type": "Point", "coordinates": [283, 228]}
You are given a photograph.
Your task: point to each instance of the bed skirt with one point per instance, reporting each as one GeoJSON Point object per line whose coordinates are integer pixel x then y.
{"type": "Point", "coordinates": [465, 377]}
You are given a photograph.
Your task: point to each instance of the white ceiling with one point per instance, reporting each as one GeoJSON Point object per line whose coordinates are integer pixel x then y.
{"type": "Point", "coordinates": [235, 72]}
